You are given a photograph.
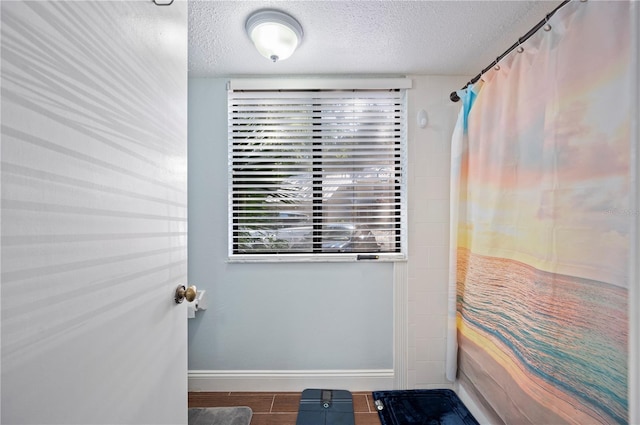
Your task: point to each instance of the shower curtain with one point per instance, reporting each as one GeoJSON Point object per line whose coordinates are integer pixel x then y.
{"type": "Point", "coordinates": [542, 214]}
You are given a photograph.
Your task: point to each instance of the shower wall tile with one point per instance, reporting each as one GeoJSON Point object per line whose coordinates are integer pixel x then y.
{"type": "Point", "coordinates": [438, 256]}
{"type": "Point", "coordinates": [428, 372]}
{"type": "Point", "coordinates": [429, 167]}
{"type": "Point", "coordinates": [437, 210]}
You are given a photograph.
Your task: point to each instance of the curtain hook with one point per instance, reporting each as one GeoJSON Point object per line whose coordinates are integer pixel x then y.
{"type": "Point", "coordinates": [520, 49]}
{"type": "Point", "coordinates": [497, 67]}
{"type": "Point", "coordinates": [547, 27]}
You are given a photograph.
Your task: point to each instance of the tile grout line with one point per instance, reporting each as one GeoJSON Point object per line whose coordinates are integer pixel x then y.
{"type": "Point", "coordinates": [273, 401]}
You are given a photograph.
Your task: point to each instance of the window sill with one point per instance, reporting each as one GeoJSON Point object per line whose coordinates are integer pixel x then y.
{"type": "Point", "coordinates": [310, 258]}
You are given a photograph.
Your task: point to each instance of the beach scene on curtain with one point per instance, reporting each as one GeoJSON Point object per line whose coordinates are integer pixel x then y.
{"type": "Point", "coordinates": [545, 224]}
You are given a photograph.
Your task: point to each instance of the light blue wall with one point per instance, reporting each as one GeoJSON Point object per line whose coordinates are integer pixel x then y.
{"type": "Point", "coordinates": [288, 316]}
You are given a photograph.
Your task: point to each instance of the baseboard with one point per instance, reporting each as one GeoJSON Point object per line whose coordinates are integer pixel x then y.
{"type": "Point", "coordinates": [290, 380]}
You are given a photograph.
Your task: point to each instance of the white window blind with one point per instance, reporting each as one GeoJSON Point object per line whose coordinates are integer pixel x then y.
{"type": "Point", "coordinates": [317, 172]}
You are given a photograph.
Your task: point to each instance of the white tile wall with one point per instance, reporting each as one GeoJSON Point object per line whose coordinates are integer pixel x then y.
{"type": "Point", "coordinates": [429, 159]}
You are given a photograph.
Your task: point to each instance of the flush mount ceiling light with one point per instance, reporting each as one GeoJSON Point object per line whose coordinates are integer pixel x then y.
{"type": "Point", "coordinates": [275, 34]}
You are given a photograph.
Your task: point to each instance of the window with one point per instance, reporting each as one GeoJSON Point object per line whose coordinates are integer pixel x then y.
{"type": "Point", "coordinates": [317, 172]}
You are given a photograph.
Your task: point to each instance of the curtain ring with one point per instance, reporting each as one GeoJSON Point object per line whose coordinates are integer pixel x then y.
{"type": "Point", "coordinates": [547, 27]}
{"type": "Point", "coordinates": [520, 49]}
{"type": "Point", "coordinates": [497, 67]}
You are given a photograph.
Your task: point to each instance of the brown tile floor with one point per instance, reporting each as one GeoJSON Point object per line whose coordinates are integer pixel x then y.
{"type": "Point", "coordinates": [279, 408]}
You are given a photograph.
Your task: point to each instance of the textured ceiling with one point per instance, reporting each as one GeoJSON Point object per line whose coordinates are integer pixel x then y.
{"type": "Point", "coordinates": [363, 37]}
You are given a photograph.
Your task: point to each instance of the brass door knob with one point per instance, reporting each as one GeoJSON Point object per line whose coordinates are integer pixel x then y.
{"type": "Point", "coordinates": [189, 293]}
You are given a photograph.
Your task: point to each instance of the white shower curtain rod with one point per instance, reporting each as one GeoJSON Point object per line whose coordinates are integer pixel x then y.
{"type": "Point", "coordinates": [454, 95]}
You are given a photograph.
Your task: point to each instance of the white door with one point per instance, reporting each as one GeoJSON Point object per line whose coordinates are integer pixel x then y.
{"type": "Point", "coordinates": [94, 212]}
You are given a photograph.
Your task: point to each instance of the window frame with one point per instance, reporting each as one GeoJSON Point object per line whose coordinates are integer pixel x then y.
{"type": "Point", "coordinates": [401, 84]}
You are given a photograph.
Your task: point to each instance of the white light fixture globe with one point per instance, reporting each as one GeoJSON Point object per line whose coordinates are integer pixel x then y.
{"type": "Point", "coordinates": [275, 34]}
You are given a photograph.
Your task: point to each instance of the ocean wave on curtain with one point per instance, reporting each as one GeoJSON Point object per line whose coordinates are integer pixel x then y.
{"type": "Point", "coordinates": [543, 229]}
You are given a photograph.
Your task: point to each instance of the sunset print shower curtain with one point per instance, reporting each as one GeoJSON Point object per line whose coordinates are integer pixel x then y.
{"type": "Point", "coordinates": [544, 223]}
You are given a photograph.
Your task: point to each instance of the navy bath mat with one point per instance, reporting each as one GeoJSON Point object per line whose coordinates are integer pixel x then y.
{"type": "Point", "coordinates": [422, 407]}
